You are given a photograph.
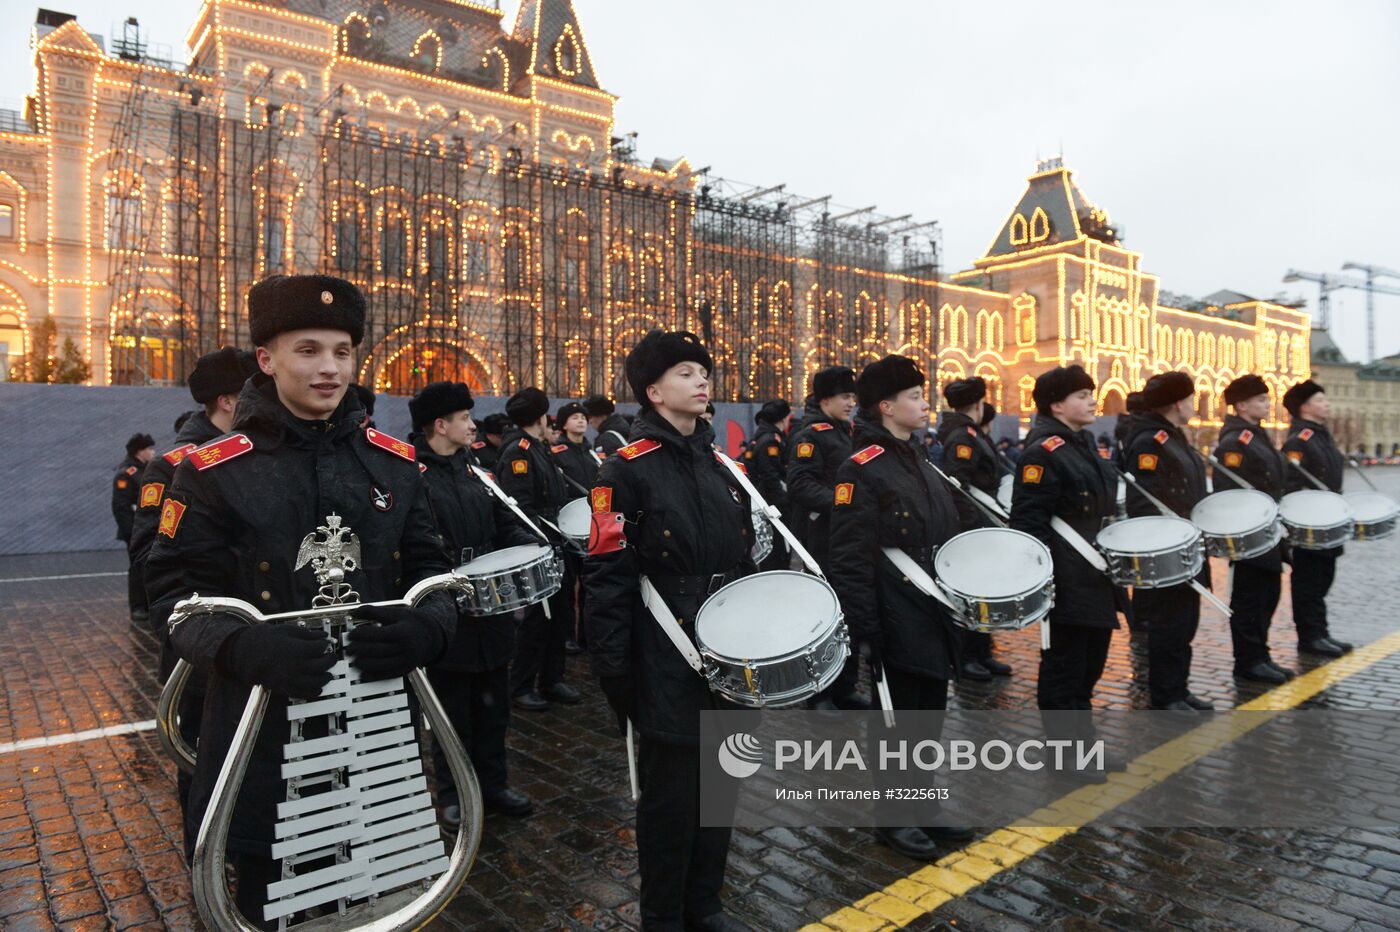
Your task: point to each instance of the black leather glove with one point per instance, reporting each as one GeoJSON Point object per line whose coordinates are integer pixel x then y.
{"type": "Point", "coordinates": [405, 639]}
{"type": "Point", "coordinates": [873, 647]}
{"type": "Point", "coordinates": [618, 690]}
{"type": "Point", "coordinates": [287, 659]}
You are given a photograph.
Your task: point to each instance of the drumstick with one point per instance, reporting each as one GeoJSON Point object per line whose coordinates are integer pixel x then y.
{"type": "Point", "coordinates": [1362, 473]}
{"type": "Point", "coordinates": [1317, 483]}
{"type": "Point", "coordinates": [632, 763]}
{"type": "Point", "coordinates": [1211, 596]}
{"type": "Point", "coordinates": [882, 690]}
{"type": "Point", "coordinates": [984, 503]}
{"type": "Point", "coordinates": [1233, 475]}
{"type": "Point", "coordinates": [1152, 499]}
{"type": "Point", "coordinates": [1045, 634]}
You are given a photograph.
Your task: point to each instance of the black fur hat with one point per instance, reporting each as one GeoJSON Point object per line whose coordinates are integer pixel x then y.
{"type": "Point", "coordinates": [527, 406]}
{"type": "Point", "coordinates": [1135, 403]}
{"type": "Point", "coordinates": [139, 442]}
{"type": "Point", "coordinates": [1058, 384]}
{"type": "Point", "coordinates": [1244, 388]}
{"type": "Point", "coordinates": [658, 351]}
{"type": "Point", "coordinates": [280, 303]}
{"type": "Point", "coordinates": [1297, 396]}
{"type": "Point", "coordinates": [439, 399]}
{"type": "Point", "coordinates": [366, 396]}
{"type": "Point", "coordinates": [963, 392]}
{"type": "Point", "coordinates": [221, 372]}
{"type": "Point", "coordinates": [598, 406]}
{"type": "Point", "coordinates": [833, 380]}
{"type": "Point", "coordinates": [887, 377]}
{"type": "Point", "coordinates": [773, 411]}
{"type": "Point", "coordinates": [180, 421]}
{"type": "Point", "coordinates": [567, 411]}
{"type": "Point", "coordinates": [494, 424]}
{"type": "Point", "coordinates": [989, 414]}
{"type": "Point", "coordinates": [1167, 388]}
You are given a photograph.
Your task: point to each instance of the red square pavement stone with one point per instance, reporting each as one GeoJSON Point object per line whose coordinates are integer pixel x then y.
{"type": "Point", "coordinates": [76, 905]}
{"type": "Point", "coordinates": [69, 882]}
{"type": "Point", "coordinates": [22, 899]}
{"type": "Point", "coordinates": [108, 861]}
{"type": "Point", "coordinates": [53, 844]}
{"type": "Point", "coordinates": [120, 884]}
{"type": "Point", "coordinates": [182, 919]}
{"type": "Point", "coordinates": [34, 921]}
{"type": "Point", "coordinates": [172, 892]}
{"type": "Point", "coordinates": [97, 923]}
{"type": "Point", "coordinates": [19, 876]}
{"type": "Point", "coordinates": [132, 911]}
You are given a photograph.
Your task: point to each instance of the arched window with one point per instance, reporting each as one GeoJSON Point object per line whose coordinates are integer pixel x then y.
{"type": "Point", "coordinates": [1245, 356]}
{"type": "Point", "coordinates": [123, 217]}
{"type": "Point", "coordinates": [7, 221]}
{"type": "Point", "coordinates": [1026, 386]}
{"type": "Point", "coordinates": [355, 35]}
{"type": "Point", "coordinates": [1183, 347]}
{"type": "Point", "coordinates": [1040, 226]}
{"type": "Point", "coordinates": [1283, 353]}
{"type": "Point", "coordinates": [1205, 349]}
{"type": "Point", "coordinates": [1024, 306]}
{"type": "Point", "coordinates": [427, 52]}
{"type": "Point", "coordinates": [1018, 230]}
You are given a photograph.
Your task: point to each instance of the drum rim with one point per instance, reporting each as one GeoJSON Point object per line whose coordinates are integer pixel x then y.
{"type": "Point", "coordinates": [836, 623]}
{"type": "Point", "coordinates": [545, 552]}
{"type": "Point", "coordinates": [1318, 495]}
{"type": "Point", "coordinates": [1000, 531]}
{"type": "Point", "coordinates": [587, 509]}
{"type": "Point", "coordinates": [1253, 529]}
{"type": "Point", "coordinates": [827, 636]}
{"type": "Point", "coordinates": [1193, 542]}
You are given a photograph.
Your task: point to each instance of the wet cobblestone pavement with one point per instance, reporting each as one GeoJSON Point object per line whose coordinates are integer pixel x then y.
{"type": "Point", "coordinates": [90, 835]}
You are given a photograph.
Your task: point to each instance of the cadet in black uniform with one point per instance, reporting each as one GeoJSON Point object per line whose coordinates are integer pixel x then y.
{"type": "Point", "coordinates": [888, 495]}
{"type": "Point", "coordinates": [125, 492]}
{"type": "Point", "coordinates": [487, 447]}
{"type": "Point", "coordinates": [473, 678]}
{"type": "Point", "coordinates": [765, 458]}
{"type": "Point", "coordinates": [666, 507]}
{"type": "Point", "coordinates": [1245, 449]}
{"type": "Point", "coordinates": [1159, 455]}
{"type": "Point", "coordinates": [525, 470]}
{"type": "Point", "coordinates": [579, 463]}
{"type": "Point", "coordinates": [969, 457]}
{"type": "Point", "coordinates": [611, 429]}
{"type": "Point", "coordinates": [1311, 446]}
{"type": "Point", "coordinates": [1126, 426]}
{"type": "Point", "coordinates": [814, 454]}
{"type": "Point", "coordinates": [1061, 474]}
{"type": "Point", "coordinates": [232, 526]}
{"type": "Point", "coordinates": [215, 382]}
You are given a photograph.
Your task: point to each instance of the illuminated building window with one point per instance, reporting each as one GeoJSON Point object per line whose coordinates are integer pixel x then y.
{"type": "Point", "coordinates": [1040, 226]}
{"type": "Point", "coordinates": [1283, 357]}
{"type": "Point", "coordinates": [7, 221]}
{"type": "Point", "coordinates": [1245, 355]}
{"type": "Point", "coordinates": [274, 238]}
{"type": "Point", "coordinates": [123, 219]}
{"type": "Point", "coordinates": [621, 280]}
{"type": "Point", "coordinates": [478, 259]}
{"type": "Point", "coordinates": [347, 239]}
{"type": "Point", "coordinates": [1026, 388]}
{"type": "Point", "coordinates": [1024, 306]}
{"type": "Point", "coordinates": [572, 290]}
{"type": "Point", "coordinates": [1018, 230]}
{"type": "Point", "coordinates": [1227, 353]}
{"type": "Point", "coordinates": [651, 279]}
{"type": "Point", "coordinates": [427, 52]}
{"type": "Point", "coordinates": [1184, 347]}
{"type": "Point", "coordinates": [516, 274]}
{"type": "Point", "coordinates": [393, 247]}
{"type": "Point", "coordinates": [1205, 350]}
{"type": "Point", "coordinates": [180, 223]}
{"type": "Point", "coordinates": [11, 343]}
{"type": "Point", "coordinates": [355, 35]}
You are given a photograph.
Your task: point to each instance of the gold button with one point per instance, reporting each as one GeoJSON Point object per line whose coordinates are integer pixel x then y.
{"type": "Point", "coordinates": [266, 596]}
{"type": "Point", "coordinates": [264, 566]}
{"type": "Point", "coordinates": [665, 553]}
{"type": "Point", "coordinates": [665, 533]}
{"type": "Point", "coordinates": [904, 530]}
{"type": "Point", "coordinates": [398, 581]}
{"type": "Point", "coordinates": [396, 554]}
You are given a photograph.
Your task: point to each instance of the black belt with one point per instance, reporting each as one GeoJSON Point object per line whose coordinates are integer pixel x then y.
{"type": "Point", "coordinates": [682, 586]}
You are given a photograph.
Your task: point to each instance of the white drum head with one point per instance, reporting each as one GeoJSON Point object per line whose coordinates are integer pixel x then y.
{"type": "Point", "coordinates": [1371, 507]}
{"type": "Point", "coordinates": [1233, 511]}
{"type": "Point", "coordinates": [575, 519]}
{"type": "Point", "coordinates": [506, 559]}
{"type": "Point", "coordinates": [1004, 491]}
{"type": "Point", "coordinates": [1314, 508]}
{"type": "Point", "coordinates": [1151, 534]}
{"type": "Point", "coordinates": [993, 563]}
{"type": "Point", "coordinates": [766, 615]}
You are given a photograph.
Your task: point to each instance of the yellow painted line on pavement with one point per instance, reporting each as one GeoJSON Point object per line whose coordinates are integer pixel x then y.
{"type": "Point", "coordinates": [950, 877]}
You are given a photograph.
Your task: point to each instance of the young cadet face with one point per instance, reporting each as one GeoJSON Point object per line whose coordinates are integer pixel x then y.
{"type": "Point", "coordinates": [576, 424]}
{"type": "Point", "coordinates": [1077, 410]}
{"type": "Point", "coordinates": [1253, 409]}
{"type": "Point", "coordinates": [312, 369]}
{"type": "Point", "coordinates": [682, 389]}
{"type": "Point", "coordinates": [1315, 408]}
{"type": "Point", "coordinates": [908, 410]}
{"type": "Point", "coordinates": [457, 428]}
{"type": "Point", "coordinates": [839, 406]}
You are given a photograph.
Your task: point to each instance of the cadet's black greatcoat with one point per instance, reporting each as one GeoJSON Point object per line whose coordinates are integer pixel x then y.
{"type": "Point", "coordinates": [613, 434]}
{"type": "Point", "coordinates": [525, 470]}
{"type": "Point", "coordinates": [1246, 450]}
{"type": "Point", "coordinates": [576, 461]}
{"type": "Point", "coordinates": [1061, 474]}
{"type": "Point", "coordinates": [485, 454]}
{"type": "Point", "coordinates": [243, 524]}
{"type": "Point", "coordinates": [814, 454]}
{"type": "Point", "coordinates": [125, 489]}
{"type": "Point", "coordinates": [892, 499]}
{"type": "Point", "coordinates": [970, 457]}
{"type": "Point", "coordinates": [155, 482]}
{"type": "Point", "coordinates": [1311, 446]}
{"type": "Point", "coordinates": [765, 459]}
{"type": "Point", "coordinates": [1159, 456]}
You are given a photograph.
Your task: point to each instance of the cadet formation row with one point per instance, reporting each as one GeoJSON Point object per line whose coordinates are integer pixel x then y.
{"type": "Point", "coordinates": [280, 442]}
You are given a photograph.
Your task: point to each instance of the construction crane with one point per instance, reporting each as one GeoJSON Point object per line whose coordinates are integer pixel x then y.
{"type": "Point", "coordinates": [1373, 272]}
{"type": "Point", "coordinates": [1326, 284]}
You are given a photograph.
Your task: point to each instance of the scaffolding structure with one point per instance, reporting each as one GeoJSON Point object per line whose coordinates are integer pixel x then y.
{"type": "Point", "coordinates": [481, 264]}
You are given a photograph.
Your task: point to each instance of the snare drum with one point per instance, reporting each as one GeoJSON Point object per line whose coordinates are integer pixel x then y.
{"type": "Point", "coordinates": [1316, 520]}
{"type": "Point", "coordinates": [998, 579]}
{"type": "Point", "coordinates": [510, 579]}
{"type": "Point", "coordinates": [772, 639]}
{"type": "Point", "coordinates": [1238, 523]}
{"type": "Point", "coordinates": [1152, 552]}
{"type": "Point", "coordinates": [1375, 515]}
{"type": "Point", "coordinates": [762, 537]}
{"type": "Point", "coordinates": [1004, 492]}
{"type": "Point", "coordinates": [575, 519]}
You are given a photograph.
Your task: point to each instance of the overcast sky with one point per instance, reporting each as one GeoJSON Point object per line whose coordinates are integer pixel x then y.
{"type": "Point", "coordinates": [1230, 140]}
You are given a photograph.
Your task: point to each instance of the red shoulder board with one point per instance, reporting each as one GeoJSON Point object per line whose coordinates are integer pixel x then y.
{"type": "Point", "coordinates": [559, 448]}
{"type": "Point", "coordinates": [821, 425]}
{"type": "Point", "coordinates": [742, 468]}
{"type": "Point", "coordinates": [869, 453]}
{"type": "Point", "coordinates": [1161, 436]}
{"type": "Point", "coordinates": [211, 454]}
{"type": "Point", "coordinates": [179, 453]}
{"type": "Point", "coordinates": [1052, 444]}
{"type": "Point", "coordinates": [971, 432]}
{"type": "Point", "coordinates": [422, 467]}
{"type": "Point", "coordinates": [524, 443]}
{"type": "Point", "coordinates": [479, 444]}
{"type": "Point", "coordinates": [131, 470]}
{"type": "Point", "coordinates": [640, 448]}
{"type": "Point", "coordinates": [391, 444]}
{"type": "Point", "coordinates": [1305, 434]}
{"type": "Point", "coordinates": [1246, 436]}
